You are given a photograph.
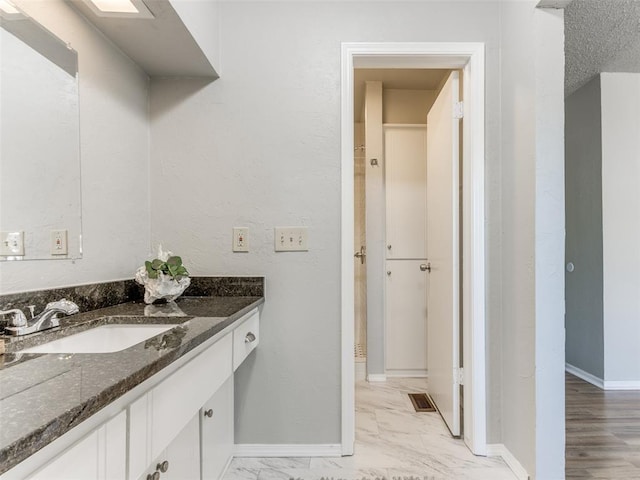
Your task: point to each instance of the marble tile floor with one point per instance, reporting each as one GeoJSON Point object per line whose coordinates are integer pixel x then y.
{"type": "Point", "coordinates": [392, 442]}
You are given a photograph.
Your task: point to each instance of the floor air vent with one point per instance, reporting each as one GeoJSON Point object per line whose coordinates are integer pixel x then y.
{"type": "Point", "coordinates": [421, 402]}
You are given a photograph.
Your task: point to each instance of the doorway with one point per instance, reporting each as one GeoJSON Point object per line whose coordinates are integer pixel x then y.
{"type": "Point", "coordinates": [470, 58]}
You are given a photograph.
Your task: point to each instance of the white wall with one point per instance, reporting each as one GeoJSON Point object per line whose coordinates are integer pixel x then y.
{"type": "Point", "coordinates": [621, 225]}
{"type": "Point", "coordinates": [114, 149]}
{"type": "Point", "coordinates": [260, 147]}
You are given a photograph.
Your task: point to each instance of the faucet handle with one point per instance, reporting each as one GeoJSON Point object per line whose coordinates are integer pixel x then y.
{"type": "Point", "coordinates": [17, 317]}
{"type": "Point", "coordinates": [32, 309]}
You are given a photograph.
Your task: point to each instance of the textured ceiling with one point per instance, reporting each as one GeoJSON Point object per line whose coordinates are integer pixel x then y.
{"type": "Point", "coordinates": [600, 36]}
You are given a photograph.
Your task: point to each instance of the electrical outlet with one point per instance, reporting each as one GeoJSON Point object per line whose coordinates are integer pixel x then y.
{"type": "Point", "coordinates": [240, 239]}
{"type": "Point", "coordinates": [12, 244]}
{"type": "Point", "coordinates": [59, 244]}
{"type": "Point", "coordinates": [291, 239]}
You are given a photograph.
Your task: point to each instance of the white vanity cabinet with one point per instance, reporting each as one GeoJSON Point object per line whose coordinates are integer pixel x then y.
{"type": "Point", "coordinates": [157, 417]}
{"type": "Point", "coordinates": [184, 417]}
{"type": "Point", "coordinates": [101, 455]}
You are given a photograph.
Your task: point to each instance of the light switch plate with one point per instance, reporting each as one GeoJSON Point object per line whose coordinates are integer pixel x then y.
{"type": "Point", "coordinates": [12, 244]}
{"type": "Point", "coordinates": [291, 239]}
{"type": "Point", "coordinates": [240, 239]}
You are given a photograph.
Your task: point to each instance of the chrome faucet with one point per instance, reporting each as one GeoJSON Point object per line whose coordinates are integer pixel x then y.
{"type": "Point", "coordinates": [48, 318]}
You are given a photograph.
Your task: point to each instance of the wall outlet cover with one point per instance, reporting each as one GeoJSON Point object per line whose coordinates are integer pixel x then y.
{"type": "Point", "coordinates": [240, 239]}
{"type": "Point", "coordinates": [59, 242]}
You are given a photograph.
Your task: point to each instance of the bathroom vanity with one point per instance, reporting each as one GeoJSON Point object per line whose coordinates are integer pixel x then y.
{"type": "Point", "coordinates": [160, 409]}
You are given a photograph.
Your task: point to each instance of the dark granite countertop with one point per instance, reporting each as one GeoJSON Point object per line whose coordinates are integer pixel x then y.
{"type": "Point", "coordinates": [43, 396]}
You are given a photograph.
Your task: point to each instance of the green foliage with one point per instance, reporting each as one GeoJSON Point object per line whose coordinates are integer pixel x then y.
{"type": "Point", "coordinates": [172, 267]}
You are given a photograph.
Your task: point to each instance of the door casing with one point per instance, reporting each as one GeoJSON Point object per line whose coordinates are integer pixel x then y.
{"type": "Point", "coordinates": [448, 55]}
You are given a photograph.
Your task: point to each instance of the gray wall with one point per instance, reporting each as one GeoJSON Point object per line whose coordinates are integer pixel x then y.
{"type": "Point", "coordinates": [583, 183]}
{"type": "Point", "coordinates": [260, 147]}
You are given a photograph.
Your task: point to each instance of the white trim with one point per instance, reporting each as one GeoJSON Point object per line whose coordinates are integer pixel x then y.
{"type": "Point", "coordinates": [376, 377]}
{"type": "Point", "coordinates": [622, 384]}
{"type": "Point", "coordinates": [499, 450]}
{"type": "Point", "coordinates": [586, 376]}
{"type": "Point", "coordinates": [287, 450]}
{"type": "Point", "coordinates": [470, 57]}
{"type": "Point", "coordinates": [361, 370]}
{"type": "Point", "coordinates": [407, 373]}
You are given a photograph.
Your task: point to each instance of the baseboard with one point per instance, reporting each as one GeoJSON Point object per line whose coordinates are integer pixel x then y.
{"type": "Point", "coordinates": [407, 373]}
{"type": "Point", "coordinates": [376, 377]}
{"type": "Point", "coordinates": [499, 450]}
{"type": "Point", "coordinates": [286, 450]}
{"type": "Point", "coordinates": [586, 376]}
{"type": "Point", "coordinates": [621, 385]}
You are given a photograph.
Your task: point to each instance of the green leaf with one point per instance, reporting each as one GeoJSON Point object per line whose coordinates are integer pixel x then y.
{"type": "Point", "coordinates": [153, 274]}
{"type": "Point", "coordinates": [157, 264]}
{"type": "Point", "coordinates": [174, 261]}
{"type": "Point", "coordinates": [148, 266]}
{"type": "Point", "coordinates": [182, 271]}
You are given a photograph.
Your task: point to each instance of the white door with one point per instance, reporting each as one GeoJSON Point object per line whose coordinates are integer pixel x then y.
{"type": "Point", "coordinates": [405, 152]}
{"type": "Point", "coordinates": [443, 332]}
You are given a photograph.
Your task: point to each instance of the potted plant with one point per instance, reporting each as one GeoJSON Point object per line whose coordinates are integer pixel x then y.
{"type": "Point", "coordinates": [164, 278]}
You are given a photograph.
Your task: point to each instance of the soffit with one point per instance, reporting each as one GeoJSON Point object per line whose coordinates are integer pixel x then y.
{"type": "Point", "coordinates": [162, 46]}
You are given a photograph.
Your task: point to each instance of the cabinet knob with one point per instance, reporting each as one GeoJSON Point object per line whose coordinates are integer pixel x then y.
{"type": "Point", "coordinates": [163, 467]}
{"type": "Point", "coordinates": [249, 338]}
{"type": "Point", "coordinates": [208, 413]}
{"type": "Point", "coordinates": [154, 476]}
{"type": "Point", "coordinates": [389, 247]}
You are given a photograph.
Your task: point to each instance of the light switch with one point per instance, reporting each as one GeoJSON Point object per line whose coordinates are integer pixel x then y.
{"type": "Point", "coordinates": [291, 239]}
{"type": "Point", "coordinates": [12, 244]}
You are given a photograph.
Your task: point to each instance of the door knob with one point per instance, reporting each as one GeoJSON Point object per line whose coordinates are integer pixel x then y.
{"type": "Point", "coordinates": [425, 267]}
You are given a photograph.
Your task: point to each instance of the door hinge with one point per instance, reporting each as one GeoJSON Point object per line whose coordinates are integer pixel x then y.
{"type": "Point", "coordinates": [458, 376]}
{"type": "Point", "coordinates": [458, 110]}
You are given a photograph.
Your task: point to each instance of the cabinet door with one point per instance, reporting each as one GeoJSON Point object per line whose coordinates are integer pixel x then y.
{"type": "Point", "coordinates": [181, 458]}
{"type": "Point", "coordinates": [216, 430]}
{"type": "Point", "coordinates": [101, 455]}
{"type": "Point", "coordinates": [183, 454]}
{"type": "Point", "coordinates": [406, 318]}
{"type": "Point", "coordinates": [406, 191]}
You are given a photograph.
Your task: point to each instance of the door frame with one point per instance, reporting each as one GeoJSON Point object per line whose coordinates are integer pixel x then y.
{"type": "Point", "coordinates": [450, 55]}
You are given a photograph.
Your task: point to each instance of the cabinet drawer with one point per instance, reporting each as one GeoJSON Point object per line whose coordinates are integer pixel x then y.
{"type": "Point", "coordinates": [245, 338]}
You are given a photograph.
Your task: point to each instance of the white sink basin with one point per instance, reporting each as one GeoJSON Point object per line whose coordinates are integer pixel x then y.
{"type": "Point", "coordinates": [104, 339]}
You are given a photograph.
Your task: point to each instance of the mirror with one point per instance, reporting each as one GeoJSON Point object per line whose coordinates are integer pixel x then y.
{"type": "Point", "coordinates": [40, 201]}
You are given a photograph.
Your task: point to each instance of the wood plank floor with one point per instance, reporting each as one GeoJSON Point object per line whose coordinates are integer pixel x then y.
{"type": "Point", "coordinates": [603, 432]}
